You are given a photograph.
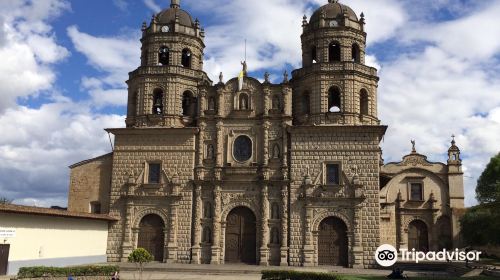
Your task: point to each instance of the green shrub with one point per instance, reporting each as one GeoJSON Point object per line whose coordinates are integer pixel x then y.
{"type": "Point", "coordinates": [480, 224]}
{"type": "Point", "coordinates": [87, 270]}
{"type": "Point", "coordinates": [297, 275]}
{"type": "Point", "coordinates": [140, 256]}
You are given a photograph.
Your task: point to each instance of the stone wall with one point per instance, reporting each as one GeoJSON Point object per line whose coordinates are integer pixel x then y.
{"type": "Point", "coordinates": [90, 181]}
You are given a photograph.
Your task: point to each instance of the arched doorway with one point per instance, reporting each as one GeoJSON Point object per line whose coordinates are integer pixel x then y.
{"type": "Point", "coordinates": [418, 236]}
{"type": "Point", "coordinates": [240, 236]}
{"type": "Point", "coordinates": [332, 242]}
{"type": "Point", "coordinates": [151, 236]}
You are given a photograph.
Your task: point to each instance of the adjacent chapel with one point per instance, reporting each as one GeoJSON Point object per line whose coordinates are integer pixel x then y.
{"type": "Point", "coordinates": [243, 171]}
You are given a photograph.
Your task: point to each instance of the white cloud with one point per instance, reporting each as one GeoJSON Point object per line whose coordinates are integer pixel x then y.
{"type": "Point", "coordinates": [42, 142]}
{"type": "Point", "coordinates": [121, 4]}
{"type": "Point", "coordinates": [28, 48]}
{"type": "Point", "coordinates": [115, 58]}
{"type": "Point", "coordinates": [151, 4]}
{"type": "Point", "coordinates": [437, 86]}
{"type": "Point", "coordinates": [473, 37]}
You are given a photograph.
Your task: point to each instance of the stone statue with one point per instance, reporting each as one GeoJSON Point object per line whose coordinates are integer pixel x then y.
{"type": "Point", "coordinates": [244, 64]}
{"type": "Point", "coordinates": [413, 146]}
{"type": "Point", "coordinates": [266, 77]}
{"type": "Point", "coordinates": [210, 152]}
{"type": "Point", "coordinates": [211, 103]}
{"type": "Point", "coordinates": [276, 151]}
{"type": "Point", "coordinates": [244, 103]}
{"type": "Point", "coordinates": [221, 78]}
{"type": "Point", "coordinates": [285, 77]}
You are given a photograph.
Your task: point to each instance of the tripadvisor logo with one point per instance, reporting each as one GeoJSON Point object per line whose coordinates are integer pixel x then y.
{"type": "Point", "coordinates": [386, 255]}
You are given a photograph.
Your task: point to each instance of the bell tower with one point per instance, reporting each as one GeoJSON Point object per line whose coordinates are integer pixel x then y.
{"type": "Point", "coordinates": [163, 90]}
{"type": "Point", "coordinates": [334, 86]}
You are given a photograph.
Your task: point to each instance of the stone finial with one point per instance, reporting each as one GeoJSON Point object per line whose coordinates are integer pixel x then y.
{"type": "Point", "coordinates": [453, 140]}
{"type": "Point", "coordinates": [333, 1]}
{"type": "Point", "coordinates": [266, 77]}
{"type": "Point", "coordinates": [144, 26]}
{"type": "Point", "coordinates": [285, 77]}
{"type": "Point", "coordinates": [221, 78]}
{"type": "Point", "coordinates": [304, 20]}
{"type": "Point", "coordinates": [175, 4]}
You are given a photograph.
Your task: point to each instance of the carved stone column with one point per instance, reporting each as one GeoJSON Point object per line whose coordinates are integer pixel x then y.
{"type": "Point", "coordinates": [357, 246]}
{"type": "Point", "coordinates": [216, 226]}
{"type": "Point", "coordinates": [201, 146]}
{"type": "Point", "coordinates": [264, 227]}
{"type": "Point", "coordinates": [196, 249]}
{"type": "Point", "coordinates": [220, 102]}
{"type": "Point", "coordinates": [267, 100]}
{"type": "Point", "coordinates": [220, 144]}
{"type": "Point", "coordinates": [203, 100]}
{"type": "Point", "coordinates": [265, 132]}
{"type": "Point", "coordinates": [284, 157]}
{"type": "Point", "coordinates": [308, 244]}
{"type": "Point", "coordinates": [127, 230]}
{"type": "Point", "coordinates": [172, 234]}
{"type": "Point", "coordinates": [284, 227]}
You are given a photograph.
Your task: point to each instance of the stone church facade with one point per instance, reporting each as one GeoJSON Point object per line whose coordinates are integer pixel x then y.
{"type": "Point", "coordinates": [255, 172]}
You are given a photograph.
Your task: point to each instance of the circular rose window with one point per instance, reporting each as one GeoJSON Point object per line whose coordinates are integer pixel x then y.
{"type": "Point", "coordinates": [242, 148]}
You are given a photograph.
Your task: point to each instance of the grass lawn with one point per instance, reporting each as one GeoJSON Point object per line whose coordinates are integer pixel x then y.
{"type": "Point", "coordinates": [362, 277]}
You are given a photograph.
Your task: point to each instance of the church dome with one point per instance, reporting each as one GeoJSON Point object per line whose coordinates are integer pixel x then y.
{"type": "Point", "coordinates": [332, 11]}
{"type": "Point", "coordinates": [167, 16]}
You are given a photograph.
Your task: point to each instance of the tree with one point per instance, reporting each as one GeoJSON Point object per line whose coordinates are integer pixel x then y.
{"type": "Point", "coordinates": [488, 185]}
{"type": "Point", "coordinates": [140, 257]}
{"type": "Point", "coordinates": [4, 200]}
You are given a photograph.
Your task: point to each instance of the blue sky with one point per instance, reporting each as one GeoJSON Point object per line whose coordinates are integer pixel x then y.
{"type": "Point", "coordinates": [63, 66]}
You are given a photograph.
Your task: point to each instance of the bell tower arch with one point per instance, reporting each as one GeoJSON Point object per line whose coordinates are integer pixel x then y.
{"type": "Point", "coordinates": [333, 70]}
{"type": "Point", "coordinates": [171, 64]}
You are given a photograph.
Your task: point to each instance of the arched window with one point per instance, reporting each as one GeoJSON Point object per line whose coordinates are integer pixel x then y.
{"type": "Point", "coordinates": [186, 58]}
{"type": "Point", "coordinates": [164, 56]}
{"type": "Point", "coordinates": [189, 105]}
{"type": "Point", "coordinates": [207, 235]}
{"type": "Point", "coordinates": [363, 102]}
{"type": "Point", "coordinates": [314, 54]}
{"type": "Point", "coordinates": [244, 105]}
{"type": "Point", "coordinates": [334, 104]}
{"type": "Point", "coordinates": [158, 101]}
{"type": "Point", "coordinates": [207, 210]}
{"type": "Point", "coordinates": [356, 54]}
{"type": "Point", "coordinates": [334, 52]}
{"type": "Point", "coordinates": [306, 106]}
{"type": "Point", "coordinates": [275, 211]}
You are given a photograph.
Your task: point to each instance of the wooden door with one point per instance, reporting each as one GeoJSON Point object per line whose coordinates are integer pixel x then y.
{"type": "Point", "coordinates": [240, 237]}
{"type": "Point", "coordinates": [332, 243]}
{"type": "Point", "coordinates": [418, 237]}
{"type": "Point", "coordinates": [4, 258]}
{"type": "Point", "coordinates": [151, 236]}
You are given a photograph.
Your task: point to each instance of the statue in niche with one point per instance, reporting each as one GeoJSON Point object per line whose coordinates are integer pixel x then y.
{"type": "Point", "coordinates": [210, 151]}
{"type": "Point", "coordinates": [276, 102]}
{"type": "Point", "coordinates": [276, 151]}
{"type": "Point", "coordinates": [211, 104]}
{"type": "Point", "coordinates": [243, 102]}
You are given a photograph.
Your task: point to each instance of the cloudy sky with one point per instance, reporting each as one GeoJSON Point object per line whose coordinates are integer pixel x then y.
{"type": "Point", "coordinates": [63, 65]}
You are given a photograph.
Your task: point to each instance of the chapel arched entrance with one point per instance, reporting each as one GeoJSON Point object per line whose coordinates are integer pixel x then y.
{"type": "Point", "coordinates": [333, 242]}
{"type": "Point", "coordinates": [240, 239]}
{"type": "Point", "coordinates": [151, 236]}
{"type": "Point", "coordinates": [418, 236]}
